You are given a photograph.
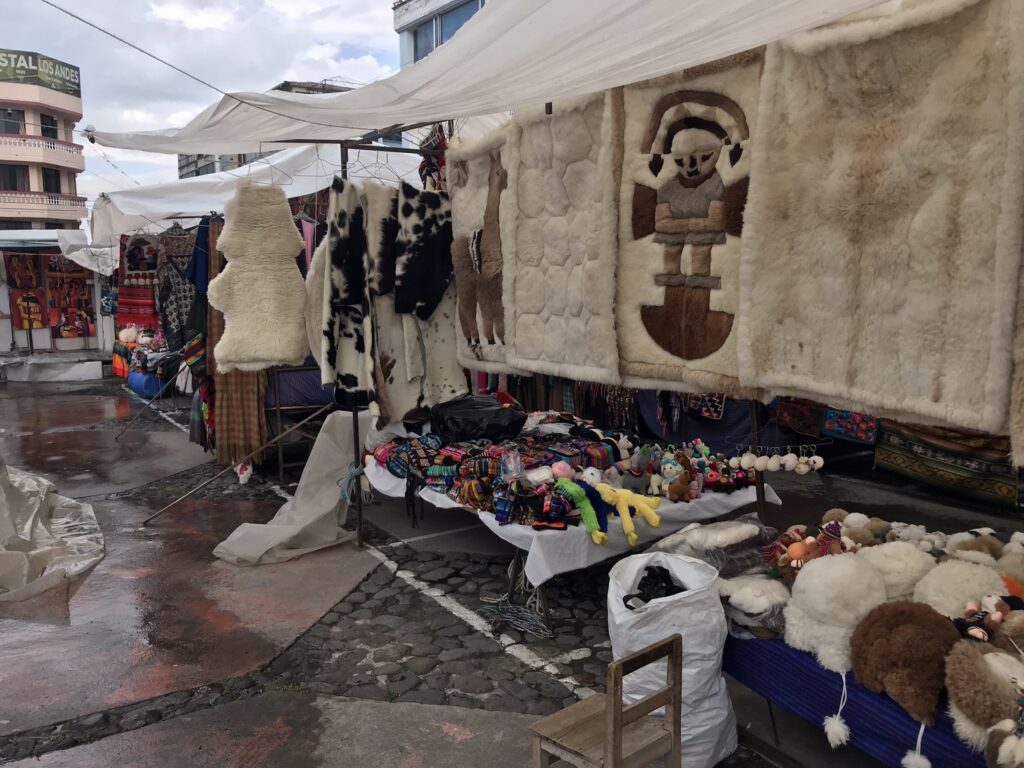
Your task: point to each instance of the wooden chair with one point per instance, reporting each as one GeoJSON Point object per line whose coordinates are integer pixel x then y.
{"type": "Point", "coordinates": [599, 731]}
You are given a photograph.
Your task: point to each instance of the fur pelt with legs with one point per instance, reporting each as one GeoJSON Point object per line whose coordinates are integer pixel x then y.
{"type": "Point", "coordinates": [260, 291]}
{"type": "Point", "coordinates": [900, 648]}
{"type": "Point", "coordinates": [979, 679]}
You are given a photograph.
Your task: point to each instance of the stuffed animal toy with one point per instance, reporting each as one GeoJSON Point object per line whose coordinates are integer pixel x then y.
{"type": "Point", "coordinates": [670, 467]}
{"type": "Point", "coordinates": [128, 335]}
{"type": "Point", "coordinates": [830, 597]}
{"type": "Point", "coordinates": [602, 508]}
{"type": "Point", "coordinates": [680, 488]}
{"type": "Point", "coordinates": [624, 502]}
{"type": "Point", "coordinates": [578, 496]}
{"type": "Point", "coordinates": [625, 448]}
{"type": "Point", "coordinates": [952, 584]}
{"type": "Point", "coordinates": [956, 540]}
{"type": "Point", "coordinates": [900, 648]}
{"type": "Point", "coordinates": [901, 564]}
{"type": "Point", "coordinates": [1002, 604]}
{"type": "Point", "coordinates": [977, 624]}
{"type": "Point", "coordinates": [591, 476]}
{"type": "Point", "coordinates": [655, 485]}
{"type": "Point", "coordinates": [982, 685]}
{"type": "Point", "coordinates": [561, 469]}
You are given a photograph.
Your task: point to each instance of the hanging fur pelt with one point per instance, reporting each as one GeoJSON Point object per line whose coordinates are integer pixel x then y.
{"type": "Point", "coordinates": [260, 291]}
{"type": "Point", "coordinates": [344, 303]}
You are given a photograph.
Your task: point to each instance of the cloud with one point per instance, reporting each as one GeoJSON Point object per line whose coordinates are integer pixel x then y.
{"type": "Point", "coordinates": [236, 45]}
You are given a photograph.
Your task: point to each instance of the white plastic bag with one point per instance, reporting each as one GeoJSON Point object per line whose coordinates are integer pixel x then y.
{"type": "Point", "coordinates": [708, 720]}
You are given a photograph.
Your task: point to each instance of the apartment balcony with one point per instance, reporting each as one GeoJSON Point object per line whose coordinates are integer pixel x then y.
{"type": "Point", "coordinates": [19, 148]}
{"type": "Point", "coordinates": [41, 205]}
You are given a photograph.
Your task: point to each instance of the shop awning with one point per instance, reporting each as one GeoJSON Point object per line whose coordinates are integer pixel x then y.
{"type": "Point", "coordinates": [512, 54]}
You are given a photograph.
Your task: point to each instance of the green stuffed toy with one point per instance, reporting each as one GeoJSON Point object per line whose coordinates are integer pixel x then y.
{"type": "Point", "coordinates": [578, 497]}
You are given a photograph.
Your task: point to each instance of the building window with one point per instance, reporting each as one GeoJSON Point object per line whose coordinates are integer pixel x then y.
{"type": "Point", "coordinates": [14, 178]}
{"type": "Point", "coordinates": [452, 21]}
{"type": "Point", "coordinates": [51, 181]}
{"type": "Point", "coordinates": [12, 121]}
{"type": "Point", "coordinates": [15, 224]}
{"type": "Point", "coordinates": [48, 126]}
{"type": "Point", "coordinates": [54, 225]}
{"type": "Point", "coordinates": [424, 40]}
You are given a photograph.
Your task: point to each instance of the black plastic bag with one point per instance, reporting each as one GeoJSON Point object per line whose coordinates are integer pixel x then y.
{"type": "Point", "coordinates": [472, 417]}
{"type": "Point", "coordinates": [655, 583]}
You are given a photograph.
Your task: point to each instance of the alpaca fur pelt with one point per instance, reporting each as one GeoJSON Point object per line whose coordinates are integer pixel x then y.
{"type": "Point", "coordinates": [979, 679]}
{"type": "Point", "coordinates": [882, 246]}
{"type": "Point", "coordinates": [1003, 748]}
{"type": "Point", "coordinates": [755, 602]}
{"type": "Point", "coordinates": [830, 596]}
{"type": "Point", "coordinates": [560, 243]}
{"type": "Point", "coordinates": [901, 564]}
{"type": "Point", "coordinates": [260, 291]}
{"type": "Point", "coordinates": [952, 584]}
{"type": "Point", "coordinates": [900, 648]}
{"type": "Point", "coordinates": [686, 146]}
{"type": "Point", "coordinates": [483, 219]}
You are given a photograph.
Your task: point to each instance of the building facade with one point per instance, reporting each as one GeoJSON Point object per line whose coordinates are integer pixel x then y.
{"type": "Point", "coordinates": [40, 103]}
{"type": "Point", "coordinates": [424, 25]}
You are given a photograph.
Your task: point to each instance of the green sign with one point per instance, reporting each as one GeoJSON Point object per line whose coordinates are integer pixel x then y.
{"type": "Point", "coordinates": [36, 69]}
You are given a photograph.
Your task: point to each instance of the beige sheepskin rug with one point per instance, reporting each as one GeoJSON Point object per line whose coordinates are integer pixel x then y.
{"type": "Point", "coordinates": [560, 243]}
{"type": "Point", "coordinates": [901, 564]}
{"type": "Point", "coordinates": [951, 585]}
{"type": "Point", "coordinates": [260, 291]}
{"type": "Point", "coordinates": [686, 161]}
{"type": "Point", "coordinates": [882, 246]}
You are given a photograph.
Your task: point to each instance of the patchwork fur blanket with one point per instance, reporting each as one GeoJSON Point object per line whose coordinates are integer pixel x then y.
{"type": "Point", "coordinates": [260, 290]}
{"type": "Point", "coordinates": [686, 158]}
{"type": "Point", "coordinates": [560, 246]}
{"type": "Point", "coordinates": [882, 247]}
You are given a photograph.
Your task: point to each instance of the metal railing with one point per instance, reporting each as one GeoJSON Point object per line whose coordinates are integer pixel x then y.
{"type": "Point", "coordinates": [40, 142]}
{"type": "Point", "coordinates": [41, 198]}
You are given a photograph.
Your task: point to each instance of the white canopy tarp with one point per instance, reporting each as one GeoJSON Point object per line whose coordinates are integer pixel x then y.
{"type": "Point", "coordinates": [299, 170]}
{"type": "Point", "coordinates": [75, 246]}
{"type": "Point", "coordinates": [511, 54]}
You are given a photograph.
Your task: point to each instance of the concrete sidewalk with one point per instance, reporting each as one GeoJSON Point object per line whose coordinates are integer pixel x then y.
{"type": "Point", "coordinates": [296, 730]}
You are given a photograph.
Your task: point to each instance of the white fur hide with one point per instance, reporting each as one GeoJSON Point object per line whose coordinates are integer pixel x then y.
{"type": "Point", "coordinates": [950, 585]}
{"type": "Point", "coordinates": [726, 95]}
{"type": "Point", "coordinates": [560, 262]}
{"type": "Point", "coordinates": [901, 564]}
{"type": "Point", "coordinates": [830, 595]}
{"type": "Point", "coordinates": [260, 291]}
{"type": "Point", "coordinates": [754, 594]}
{"type": "Point", "coordinates": [882, 246]}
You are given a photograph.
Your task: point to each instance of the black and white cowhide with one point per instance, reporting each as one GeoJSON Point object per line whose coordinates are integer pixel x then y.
{"type": "Point", "coordinates": [424, 251]}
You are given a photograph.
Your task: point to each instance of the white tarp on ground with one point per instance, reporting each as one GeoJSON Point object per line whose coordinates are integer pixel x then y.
{"type": "Point", "coordinates": [312, 520]}
{"type": "Point", "coordinates": [300, 170]}
{"type": "Point", "coordinates": [511, 54]}
{"type": "Point", "coordinates": [45, 538]}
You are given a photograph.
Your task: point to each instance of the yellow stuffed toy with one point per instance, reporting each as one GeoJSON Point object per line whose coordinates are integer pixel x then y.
{"type": "Point", "coordinates": [624, 500]}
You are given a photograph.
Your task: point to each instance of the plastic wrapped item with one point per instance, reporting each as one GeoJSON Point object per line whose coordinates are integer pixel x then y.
{"type": "Point", "coordinates": [476, 416]}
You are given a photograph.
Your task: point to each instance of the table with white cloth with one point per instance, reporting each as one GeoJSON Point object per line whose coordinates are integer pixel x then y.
{"type": "Point", "coordinates": [549, 553]}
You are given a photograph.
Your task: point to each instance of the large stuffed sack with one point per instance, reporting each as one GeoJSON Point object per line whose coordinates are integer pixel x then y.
{"type": "Point", "coordinates": [260, 291]}
{"type": "Point", "coordinates": [982, 690]}
{"type": "Point", "coordinates": [901, 564]}
{"type": "Point", "coordinates": [830, 596]}
{"type": "Point", "coordinates": [951, 585]}
{"type": "Point", "coordinates": [900, 648]}
{"type": "Point", "coordinates": [708, 720]}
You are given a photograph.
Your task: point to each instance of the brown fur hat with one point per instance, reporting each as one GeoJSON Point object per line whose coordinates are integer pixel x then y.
{"type": "Point", "coordinates": [861, 536]}
{"type": "Point", "coordinates": [900, 648]}
{"type": "Point", "coordinates": [987, 545]}
{"type": "Point", "coordinates": [834, 514]}
{"type": "Point", "coordinates": [879, 528]}
{"type": "Point", "coordinates": [981, 693]}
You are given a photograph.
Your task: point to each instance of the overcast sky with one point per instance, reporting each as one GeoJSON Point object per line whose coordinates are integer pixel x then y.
{"type": "Point", "coordinates": [237, 45]}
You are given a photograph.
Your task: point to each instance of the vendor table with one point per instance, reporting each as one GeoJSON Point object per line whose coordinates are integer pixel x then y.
{"type": "Point", "coordinates": [549, 553]}
{"type": "Point", "coordinates": [879, 727]}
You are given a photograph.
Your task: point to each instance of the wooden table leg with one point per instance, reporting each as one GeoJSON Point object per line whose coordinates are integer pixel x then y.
{"type": "Point", "coordinates": [541, 759]}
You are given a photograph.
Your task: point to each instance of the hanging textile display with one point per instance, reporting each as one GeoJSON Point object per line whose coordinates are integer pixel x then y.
{"type": "Point", "coordinates": [686, 154]}
{"type": "Point", "coordinates": [237, 420]}
{"type": "Point", "coordinates": [881, 261]}
{"type": "Point", "coordinates": [477, 180]}
{"type": "Point", "coordinates": [260, 292]}
{"type": "Point", "coordinates": [136, 299]}
{"type": "Point", "coordinates": [175, 294]}
{"type": "Point", "coordinates": [560, 261]}
{"type": "Point", "coordinates": [27, 309]}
